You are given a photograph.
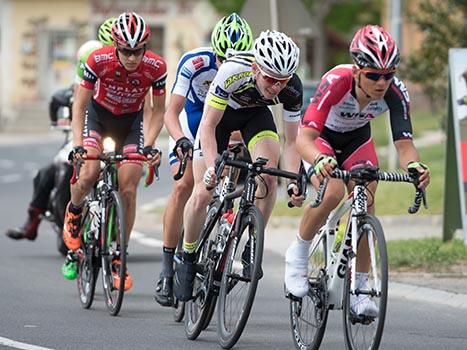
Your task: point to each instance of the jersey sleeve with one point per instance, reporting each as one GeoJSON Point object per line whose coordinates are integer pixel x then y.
{"type": "Point", "coordinates": [330, 91]}
{"type": "Point", "coordinates": [291, 97]}
{"type": "Point", "coordinates": [227, 80]}
{"type": "Point", "coordinates": [398, 101]}
{"type": "Point", "coordinates": [188, 67]}
{"type": "Point", "coordinates": [158, 85]}
{"type": "Point", "coordinates": [90, 73]}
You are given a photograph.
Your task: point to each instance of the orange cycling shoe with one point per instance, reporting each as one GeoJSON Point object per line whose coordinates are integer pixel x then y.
{"type": "Point", "coordinates": [71, 229]}
{"type": "Point", "coordinates": [116, 263]}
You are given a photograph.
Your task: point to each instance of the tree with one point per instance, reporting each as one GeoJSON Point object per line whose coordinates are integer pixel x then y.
{"type": "Point", "coordinates": [225, 7]}
{"type": "Point", "coordinates": [443, 23]}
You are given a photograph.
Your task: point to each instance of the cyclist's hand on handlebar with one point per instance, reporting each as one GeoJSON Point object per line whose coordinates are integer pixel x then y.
{"type": "Point", "coordinates": [183, 146]}
{"type": "Point", "coordinates": [76, 156]}
{"type": "Point", "coordinates": [423, 173]}
{"type": "Point", "coordinates": [296, 198]}
{"type": "Point", "coordinates": [324, 166]}
{"type": "Point", "coordinates": [209, 178]}
{"type": "Point", "coordinates": [153, 156]}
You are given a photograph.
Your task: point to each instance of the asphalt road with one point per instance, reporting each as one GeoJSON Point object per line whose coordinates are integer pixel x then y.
{"type": "Point", "coordinates": [39, 308]}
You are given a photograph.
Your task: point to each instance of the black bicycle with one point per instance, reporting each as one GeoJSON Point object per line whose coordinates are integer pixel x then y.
{"type": "Point", "coordinates": [103, 242]}
{"type": "Point", "coordinates": [230, 251]}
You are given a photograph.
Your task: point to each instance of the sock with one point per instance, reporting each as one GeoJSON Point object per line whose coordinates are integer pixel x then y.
{"type": "Point", "coordinates": [303, 245]}
{"type": "Point", "coordinates": [167, 262]}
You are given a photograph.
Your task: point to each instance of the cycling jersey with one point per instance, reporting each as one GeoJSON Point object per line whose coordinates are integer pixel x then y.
{"type": "Point", "coordinates": [195, 72]}
{"type": "Point", "coordinates": [116, 89]}
{"type": "Point", "coordinates": [234, 86]}
{"type": "Point", "coordinates": [335, 105]}
{"type": "Point", "coordinates": [83, 53]}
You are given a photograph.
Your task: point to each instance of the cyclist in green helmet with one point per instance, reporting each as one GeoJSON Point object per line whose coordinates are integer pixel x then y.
{"type": "Point", "coordinates": [195, 71]}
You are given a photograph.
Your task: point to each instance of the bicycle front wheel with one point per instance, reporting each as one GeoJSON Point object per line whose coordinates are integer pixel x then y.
{"type": "Point", "coordinates": [365, 330]}
{"type": "Point", "coordinates": [88, 265]}
{"type": "Point", "coordinates": [240, 277]}
{"type": "Point", "coordinates": [308, 315]}
{"type": "Point", "coordinates": [179, 306]}
{"type": "Point", "coordinates": [113, 243]}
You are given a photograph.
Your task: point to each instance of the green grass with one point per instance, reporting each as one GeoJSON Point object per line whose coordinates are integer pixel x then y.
{"type": "Point", "coordinates": [428, 254]}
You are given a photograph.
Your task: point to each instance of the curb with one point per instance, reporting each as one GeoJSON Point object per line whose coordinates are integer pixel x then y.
{"type": "Point", "coordinates": [429, 295]}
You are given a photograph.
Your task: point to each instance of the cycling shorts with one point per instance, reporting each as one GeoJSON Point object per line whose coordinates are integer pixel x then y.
{"type": "Point", "coordinates": [126, 130]}
{"type": "Point", "coordinates": [254, 124]}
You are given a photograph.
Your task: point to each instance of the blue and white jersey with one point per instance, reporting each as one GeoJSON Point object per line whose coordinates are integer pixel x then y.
{"type": "Point", "coordinates": [195, 72]}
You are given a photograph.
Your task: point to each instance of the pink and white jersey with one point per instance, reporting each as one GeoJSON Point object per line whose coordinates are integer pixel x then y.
{"type": "Point", "coordinates": [118, 90]}
{"type": "Point", "coordinates": [335, 105]}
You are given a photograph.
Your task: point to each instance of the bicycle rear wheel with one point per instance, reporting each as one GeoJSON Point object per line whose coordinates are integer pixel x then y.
{"type": "Point", "coordinates": [240, 277]}
{"type": "Point", "coordinates": [197, 310]}
{"type": "Point", "coordinates": [88, 265]}
{"type": "Point", "coordinates": [179, 306]}
{"type": "Point", "coordinates": [365, 332]}
{"type": "Point", "coordinates": [308, 315]}
{"type": "Point", "coordinates": [113, 243]}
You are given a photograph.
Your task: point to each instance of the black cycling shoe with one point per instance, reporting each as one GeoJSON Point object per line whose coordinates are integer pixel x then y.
{"type": "Point", "coordinates": [247, 266]}
{"type": "Point", "coordinates": [164, 291]}
{"type": "Point", "coordinates": [185, 272]}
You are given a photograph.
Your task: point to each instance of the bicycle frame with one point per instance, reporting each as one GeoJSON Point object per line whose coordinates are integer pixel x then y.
{"type": "Point", "coordinates": [336, 265]}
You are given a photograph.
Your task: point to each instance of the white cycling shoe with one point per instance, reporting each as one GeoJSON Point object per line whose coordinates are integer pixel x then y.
{"type": "Point", "coordinates": [363, 304]}
{"type": "Point", "coordinates": [296, 270]}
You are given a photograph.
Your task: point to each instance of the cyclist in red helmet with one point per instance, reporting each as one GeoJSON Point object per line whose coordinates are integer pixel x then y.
{"type": "Point", "coordinates": [112, 96]}
{"type": "Point", "coordinates": [335, 132]}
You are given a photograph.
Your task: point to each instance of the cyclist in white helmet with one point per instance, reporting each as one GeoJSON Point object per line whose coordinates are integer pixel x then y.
{"type": "Point", "coordinates": [195, 71]}
{"type": "Point", "coordinates": [238, 99]}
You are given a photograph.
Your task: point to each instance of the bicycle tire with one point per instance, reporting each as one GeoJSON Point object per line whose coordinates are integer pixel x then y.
{"type": "Point", "coordinates": [197, 309]}
{"type": "Point", "coordinates": [308, 315]}
{"type": "Point", "coordinates": [112, 236]}
{"type": "Point", "coordinates": [179, 306]}
{"type": "Point", "coordinates": [229, 332]}
{"type": "Point", "coordinates": [88, 267]}
{"type": "Point", "coordinates": [363, 332]}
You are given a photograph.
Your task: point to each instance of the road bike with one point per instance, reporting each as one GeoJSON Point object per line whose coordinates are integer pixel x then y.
{"type": "Point", "coordinates": [103, 234]}
{"type": "Point", "coordinates": [332, 266]}
{"type": "Point", "coordinates": [230, 251]}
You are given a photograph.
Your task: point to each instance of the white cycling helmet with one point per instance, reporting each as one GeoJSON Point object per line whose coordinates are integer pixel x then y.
{"type": "Point", "coordinates": [277, 53]}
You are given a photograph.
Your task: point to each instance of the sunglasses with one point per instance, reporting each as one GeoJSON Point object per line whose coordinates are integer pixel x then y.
{"type": "Point", "coordinates": [128, 52]}
{"type": "Point", "coordinates": [272, 80]}
{"type": "Point", "coordinates": [376, 76]}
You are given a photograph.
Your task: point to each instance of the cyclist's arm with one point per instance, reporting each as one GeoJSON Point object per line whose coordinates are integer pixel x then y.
{"type": "Point", "coordinates": [406, 151]}
{"type": "Point", "coordinates": [172, 123]}
{"type": "Point", "coordinates": [81, 99]}
{"type": "Point", "coordinates": [153, 117]}
{"type": "Point", "coordinates": [306, 146]}
{"type": "Point", "coordinates": [211, 118]}
{"type": "Point", "coordinates": [291, 156]}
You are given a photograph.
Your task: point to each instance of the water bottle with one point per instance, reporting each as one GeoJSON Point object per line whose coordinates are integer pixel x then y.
{"type": "Point", "coordinates": [226, 221]}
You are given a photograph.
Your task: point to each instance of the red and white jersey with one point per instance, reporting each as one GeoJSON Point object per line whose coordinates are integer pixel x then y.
{"type": "Point", "coordinates": [335, 105]}
{"type": "Point", "coordinates": [118, 90]}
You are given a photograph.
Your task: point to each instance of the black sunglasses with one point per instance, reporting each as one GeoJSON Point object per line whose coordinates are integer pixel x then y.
{"type": "Point", "coordinates": [128, 52]}
{"type": "Point", "coordinates": [376, 76]}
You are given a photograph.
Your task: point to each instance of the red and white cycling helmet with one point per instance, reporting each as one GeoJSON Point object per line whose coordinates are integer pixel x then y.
{"type": "Point", "coordinates": [130, 30]}
{"type": "Point", "coordinates": [373, 47]}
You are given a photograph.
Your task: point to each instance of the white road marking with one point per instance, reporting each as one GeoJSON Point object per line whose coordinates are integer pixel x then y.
{"type": "Point", "coordinates": [19, 345]}
{"type": "Point", "coordinates": [141, 238]}
{"type": "Point", "coordinates": [10, 178]}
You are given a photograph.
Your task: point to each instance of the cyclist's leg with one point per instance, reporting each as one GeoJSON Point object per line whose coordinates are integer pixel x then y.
{"type": "Point", "coordinates": [129, 175]}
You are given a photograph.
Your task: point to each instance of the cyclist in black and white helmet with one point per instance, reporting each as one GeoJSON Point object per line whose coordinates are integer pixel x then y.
{"type": "Point", "coordinates": [238, 99]}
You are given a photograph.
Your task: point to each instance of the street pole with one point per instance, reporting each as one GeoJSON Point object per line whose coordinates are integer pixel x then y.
{"type": "Point", "coordinates": [395, 28]}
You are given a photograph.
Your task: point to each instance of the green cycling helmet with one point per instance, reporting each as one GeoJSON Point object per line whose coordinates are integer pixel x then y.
{"type": "Point", "coordinates": [105, 32]}
{"type": "Point", "coordinates": [231, 32]}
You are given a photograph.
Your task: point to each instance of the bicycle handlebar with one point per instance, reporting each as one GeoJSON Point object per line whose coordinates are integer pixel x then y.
{"type": "Point", "coordinates": [363, 175]}
{"type": "Point", "coordinates": [111, 158]}
{"type": "Point", "coordinates": [181, 168]}
{"type": "Point", "coordinates": [258, 167]}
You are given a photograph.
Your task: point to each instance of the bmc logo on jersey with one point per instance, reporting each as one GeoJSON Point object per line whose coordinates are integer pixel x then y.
{"type": "Point", "coordinates": [103, 57]}
{"type": "Point", "coordinates": [152, 61]}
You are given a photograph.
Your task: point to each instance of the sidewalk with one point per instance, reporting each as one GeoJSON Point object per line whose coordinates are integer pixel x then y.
{"type": "Point", "coordinates": [443, 288]}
